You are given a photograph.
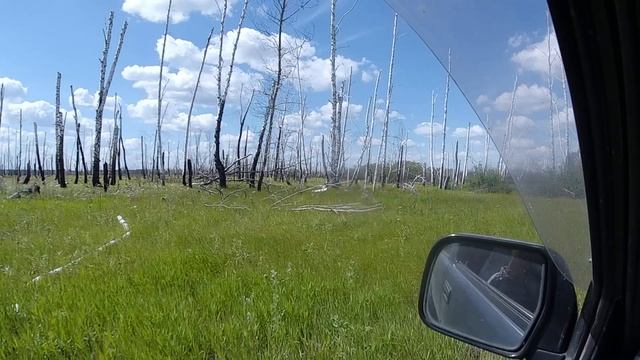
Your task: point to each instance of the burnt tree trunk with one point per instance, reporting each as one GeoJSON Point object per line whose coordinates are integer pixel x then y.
{"type": "Point", "coordinates": [105, 178]}
{"type": "Point", "coordinates": [35, 131]}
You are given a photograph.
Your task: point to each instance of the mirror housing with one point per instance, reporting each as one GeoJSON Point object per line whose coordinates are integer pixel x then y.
{"type": "Point", "coordinates": [460, 297]}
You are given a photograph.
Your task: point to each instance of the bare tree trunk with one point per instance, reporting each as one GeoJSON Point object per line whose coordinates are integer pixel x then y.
{"type": "Point", "coordinates": [373, 126]}
{"type": "Point", "coordinates": [364, 146]}
{"type": "Point", "coordinates": [142, 157]}
{"type": "Point", "coordinates": [154, 158]}
{"type": "Point", "coordinates": [385, 131]}
{"type": "Point", "coordinates": [160, 164]}
{"type": "Point", "coordinates": [79, 149]}
{"type": "Point", "coordinates": [103, 91]}
{"type": "Point", "coordinates": [335, 119]}
{"type": "Point", "coordinates": [105, 172]}
{"type": "Point", "coordinates": [399, 169]}
{"type": "Point", "coordinates": [466, 155]}
{"type": "Point", "coordinates": [190, 173]}
{"type": "Point", "coordinates": [19, 163]}
{"type": "Point", "coordinates": [302, 160]}
{"type": "Point", "coordinates": [193, 100]}
{"type": "Point", "coordinates": [59, 137]}
{"type": "Point", "coordinates": [274, 92]}
{"type": "Point", "coordinates": [506, 147]}
{"type": "Point", "coordinates": [444, 122]}
{"type": "Point", "coordinates": [114, 154]}
{"type": "Point", "coordinates": [566, 119]}
{"type": "Point", "coordinates": [256, 157]}
{"type": "Point", "coordinates": [324, 163]}
{"type": "Point", "coordinates": [222, 93]}
{"type": "Point", "coordinates": [35, 132]}
{"type": "Point", "coordinates": [434, 97]}
{"type": "Point", "coordinates": [344, 126]}
{"type": "Point", "coordinates": [486, 146]}
{"type": "Point", "coordinates": [243, 118]}
{"type": "Point", "coordinates": [124, 151]}
{"type": "Point", "coordinates": [456, 173]}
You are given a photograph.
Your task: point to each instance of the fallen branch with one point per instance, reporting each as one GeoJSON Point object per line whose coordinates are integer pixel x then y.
{"type": "Point", "coordinates": [340, 208]}
{"type": "Point", "coordinates": [124, 225]}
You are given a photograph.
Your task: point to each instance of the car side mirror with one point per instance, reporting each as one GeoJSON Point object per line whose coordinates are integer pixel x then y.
{"type": "Point", "coordinates": [504, 296]}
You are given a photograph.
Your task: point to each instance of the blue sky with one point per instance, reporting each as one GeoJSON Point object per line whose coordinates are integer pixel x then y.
{"type": "Point", "coordinates": [490, 46]}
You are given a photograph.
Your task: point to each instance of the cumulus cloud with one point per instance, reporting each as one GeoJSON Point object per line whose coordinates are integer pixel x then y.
{"type": "Point", "coordinates": [156, 10]}
{"type": "Point", "coordinates": [322, 116]}
{"type": "Point", "coordinates": [13, 89]}
{"type": "Point", "coordinates": [529, 99]}
{"type": "Point", "coordinates": [255, 58]}
{"type": "Point", "coordinates": [424, 128]}
{"type": "Point", "coordinates": [475, 132]}
{"type": "Point", "coordinates": [535, 57]}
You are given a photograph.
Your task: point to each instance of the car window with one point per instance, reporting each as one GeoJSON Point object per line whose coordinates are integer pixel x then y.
{"type": "Point", "coordinates": [241, 179]}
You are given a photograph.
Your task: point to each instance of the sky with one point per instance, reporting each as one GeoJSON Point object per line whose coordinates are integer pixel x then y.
{"type": "Point", "coordinates": [491, 44]}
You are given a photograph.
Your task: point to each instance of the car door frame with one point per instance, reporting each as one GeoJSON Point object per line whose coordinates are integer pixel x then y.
{"type": "Point", "coordinates": [599, 45]}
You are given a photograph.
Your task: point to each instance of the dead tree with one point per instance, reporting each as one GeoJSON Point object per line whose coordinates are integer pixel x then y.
{"type": "Point", "coordinates": [486, 146]}
{"type": "Point", "coordinates": [35, 132]}
{"type": "Point", "coordinates": [160, 164]}
{"type": "Point", "coordinates": [336, 127]}
{"type": "Point", "coordinates": [280, 19]}
{"type": "Point", "coordinates": [79, 148]}
{"type": "Point", "coordinates": [506, 145]}
{"type": "Point", "coordinates": [20, 147]}
{"type": "Point", "coordinates": [456, 166]}
{"type": "Point", "coordinates": [372, 131]}
{"type": "Point", "coordinates": [344, 125]}
{"type": "Point", "coordinates": [190, 173]}
{"type": "Point", "coordinates": [142, 158]}
{"type": "Point", "coordinates": [103, 91]}
{"type": "Point", "coordinates": [566, 118]}
{"type": "Point", "coordinates": [324, 162]}
{"type": "Point", "coordinates": [433, 106]}
{"type": "Point", "coordinates": [441, 184]}
{"type": "Point", "coordinates": [550, 85]}
{"type": "Point", "coordinates": [222, 92]}
{"type": "Point", "coordinates": [385, 131]}
{"type": "Point", "coordinates": [59, 137]}
{"type": "Point", "coordinates": [364, 145]}
{"type": "Point", "coordinates": [114, 154]}
{"type": "Point", "coordinates": [243, 117]}
{"type": "Point", "coordinates": [124, 151]}
{"type": "Point", "coordinates": [466, 155]}
{"type": "Point", "coordinates": [193, 100]}
{"type": "Point", "coordinates": [105, 180]}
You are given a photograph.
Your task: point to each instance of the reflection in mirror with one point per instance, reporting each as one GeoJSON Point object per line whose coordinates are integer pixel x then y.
{"type": "Point", "coordinates": [490, 294]}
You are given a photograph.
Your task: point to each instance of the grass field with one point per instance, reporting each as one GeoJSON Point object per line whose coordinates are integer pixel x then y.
{"type": "Point", "coordinates": [207, 282]}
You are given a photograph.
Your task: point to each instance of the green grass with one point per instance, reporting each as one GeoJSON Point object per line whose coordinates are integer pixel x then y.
{"type": "Point", "coordinates": [203, 282]}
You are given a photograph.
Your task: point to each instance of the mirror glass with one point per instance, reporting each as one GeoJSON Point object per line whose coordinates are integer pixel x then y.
{"type": "Point", "coordinates": [489, 293]}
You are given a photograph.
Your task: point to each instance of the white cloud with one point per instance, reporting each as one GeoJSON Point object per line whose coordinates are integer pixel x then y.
{"type": "Point", "coordinates": [528, 99]}
{"type": "Point", "coordinates": [522, 122]}
{"type": "Point", "coordinates": [518, 40]}
{"type": "Point", "coordinates": [424, 128]}
{"type": "Point", "coordinates": [322, 116]}
{"type": "Point", "coordinates": [156, 10]}
{"type": "Point", "coordinates": [535, 57]}
{"type": "Point", "coordinates": [13, 89]}
{"type": "Point", "coordinates": [474, 132]}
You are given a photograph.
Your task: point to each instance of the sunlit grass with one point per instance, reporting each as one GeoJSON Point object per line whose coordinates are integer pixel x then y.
{"type": "Point", "coordinates": [207, 282]}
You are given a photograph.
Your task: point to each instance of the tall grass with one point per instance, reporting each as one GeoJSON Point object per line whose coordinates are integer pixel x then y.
{"type": "Point", "coordinates": [202, 282]}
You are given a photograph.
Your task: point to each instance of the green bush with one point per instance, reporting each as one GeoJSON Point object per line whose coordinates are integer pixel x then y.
{"type": "Point", "coordinates": [488, 181]}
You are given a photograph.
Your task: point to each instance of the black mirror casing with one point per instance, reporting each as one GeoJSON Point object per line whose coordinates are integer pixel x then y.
{"type": "Point", "coordinates": [552, 326]}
